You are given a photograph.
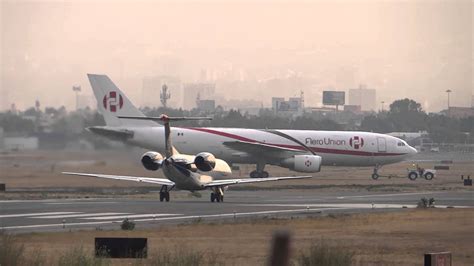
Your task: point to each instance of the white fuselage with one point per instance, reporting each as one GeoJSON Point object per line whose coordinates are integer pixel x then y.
{"type": "Point", "coordinates": [339, 148]}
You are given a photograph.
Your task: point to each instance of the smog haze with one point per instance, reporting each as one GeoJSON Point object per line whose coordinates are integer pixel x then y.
{"type": "Point", "coordinates": [403, 49]}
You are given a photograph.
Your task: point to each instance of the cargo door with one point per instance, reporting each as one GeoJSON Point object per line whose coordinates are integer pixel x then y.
{"type": "Point", "coordinates": [381, 144]}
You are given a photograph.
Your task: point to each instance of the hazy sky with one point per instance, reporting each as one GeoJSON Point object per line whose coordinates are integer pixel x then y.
{"type": "Point", "coordinates": [401, 48]}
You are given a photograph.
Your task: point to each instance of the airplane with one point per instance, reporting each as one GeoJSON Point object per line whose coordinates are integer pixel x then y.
{"type": "Point", "coordinates": [298, 150]}
{"type": "Point", "coordinates": [185, 172]}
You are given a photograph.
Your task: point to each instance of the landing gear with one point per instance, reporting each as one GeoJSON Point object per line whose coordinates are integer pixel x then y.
{"type": "Point", "coordinates": [165, 193]}
{"type": "Point", "coordinates": [375, 174]}
{"type": "Point", "coordinates": [217, 194]}
{"type": "Point", "coordinates": [259, 173]}
{"type": "Point", "coordinates": [256, 174]}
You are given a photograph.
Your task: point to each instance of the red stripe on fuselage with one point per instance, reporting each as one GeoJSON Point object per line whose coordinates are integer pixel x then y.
{"type": "Point", "coordinates": [314, 149]}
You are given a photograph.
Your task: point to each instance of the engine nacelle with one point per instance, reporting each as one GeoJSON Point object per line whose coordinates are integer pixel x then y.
{"type": "Point", "coordinates": [303, 163]}
{"type": "Point", "coordinates": [205, 161]}
{"type": "Point", "coordinates": [152, 160]}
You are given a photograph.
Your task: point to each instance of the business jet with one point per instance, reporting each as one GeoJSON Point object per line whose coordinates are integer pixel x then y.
{"type": "Point", "coordinates": [297, 150]}
{"type": "Point", "coordinates": [186, 172]}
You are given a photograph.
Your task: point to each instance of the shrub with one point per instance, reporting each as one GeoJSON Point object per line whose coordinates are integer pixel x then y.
{"type": "Point", "coordinates": [11, 253]}
{"type": "Point", "coordinates": [426, 203]}
{"type": "Point", "coordinates": [127, 225]}
{"type": "Point", "coordinates": [322, 253]}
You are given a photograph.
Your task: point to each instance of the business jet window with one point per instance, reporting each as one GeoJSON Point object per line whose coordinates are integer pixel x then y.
{"type": "Point", "coordinates": [180, 134]}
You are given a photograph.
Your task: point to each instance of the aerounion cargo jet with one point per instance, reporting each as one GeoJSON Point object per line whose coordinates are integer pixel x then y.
{"type": "Point", "coordinates": [298, 150]}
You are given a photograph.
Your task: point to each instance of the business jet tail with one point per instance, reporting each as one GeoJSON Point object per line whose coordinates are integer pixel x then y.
{"type": "Point", "coordinates": [112, 103]}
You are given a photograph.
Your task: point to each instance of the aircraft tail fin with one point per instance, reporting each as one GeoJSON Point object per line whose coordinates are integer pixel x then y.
{"type": "Point", "coordinates": [112, 103]}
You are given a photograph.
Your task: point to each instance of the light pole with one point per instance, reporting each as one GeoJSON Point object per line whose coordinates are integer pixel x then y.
{"type": "Point", "coordinates": [448, 92]}
{"type": "Point", "coordinates": [77, 89]}
{"type": "Point", "coordinates": [382, 102]}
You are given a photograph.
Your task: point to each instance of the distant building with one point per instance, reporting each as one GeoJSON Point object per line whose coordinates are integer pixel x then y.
{"type": "Point", "coordinates": [356, 109]}
{"type": "Point", "coordinates": [292, 107]}
{"type": "Point", "coordinates": [208, 106]}
{"type": "Point", "coordinates": [364, 97]}
{"type": "Point", "coordinates": [191, 91]}
{"type": "Point", "coordinates": [151, 90]}
{"type": "Point", "coordinates": [20, 143]}
{"type": "Point", "coordinates": [459, 112]}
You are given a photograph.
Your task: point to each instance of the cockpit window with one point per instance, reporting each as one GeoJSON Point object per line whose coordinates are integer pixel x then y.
{"type": "Point", "coordinates": [401, 144]}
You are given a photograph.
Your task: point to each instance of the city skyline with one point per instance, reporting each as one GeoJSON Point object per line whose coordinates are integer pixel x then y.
{"type": "Point", "coordinates": [412, 50]}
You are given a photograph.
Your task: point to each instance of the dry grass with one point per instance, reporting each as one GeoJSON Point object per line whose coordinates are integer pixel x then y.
{"type": "Point", "coordinates": [399, 238]}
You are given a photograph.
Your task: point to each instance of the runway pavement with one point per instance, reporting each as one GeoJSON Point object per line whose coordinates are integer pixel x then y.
{"type": "Point", "coordinates": [73, 214]}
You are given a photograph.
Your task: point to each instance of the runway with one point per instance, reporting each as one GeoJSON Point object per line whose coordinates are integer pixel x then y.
{"type": "Point", "coordinates": [92, 214]}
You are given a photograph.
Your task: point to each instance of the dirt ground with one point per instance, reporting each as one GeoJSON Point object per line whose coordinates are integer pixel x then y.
{"type": "Point", "coordinates": [399, 238]}
{"type": "Point", "coordinates": [42, 169]}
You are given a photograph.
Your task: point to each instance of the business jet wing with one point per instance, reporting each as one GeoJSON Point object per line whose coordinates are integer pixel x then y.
{"type": "Point", "coordinates": [257, 148]}
{"type": "Point", "coordinates": [157, 181]}
{"type": "Point", "coordinates": [227, 182]}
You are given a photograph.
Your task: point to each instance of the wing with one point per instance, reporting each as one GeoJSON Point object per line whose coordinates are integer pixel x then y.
{"type": "Point", "coordinates": [157, 181]}
{"type": "Point", "coordinates": [256, 148]}
{"type": "Point", "coordinates": [227, 182]}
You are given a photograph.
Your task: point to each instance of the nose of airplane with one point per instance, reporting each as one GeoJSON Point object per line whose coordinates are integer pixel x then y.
{"type": "Point", "coordinates": [413, 150]}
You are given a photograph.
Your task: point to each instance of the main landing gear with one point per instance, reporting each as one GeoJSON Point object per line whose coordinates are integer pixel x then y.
{"type": "Point", "coordinates": [165, 193]}
{"type": "Point", "coordinates": [259, 173]}
{"type": "Point", "coordinates": [217, 194]}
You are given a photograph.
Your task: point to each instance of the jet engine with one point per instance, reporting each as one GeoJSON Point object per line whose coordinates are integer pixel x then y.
{"type": "Point", "coordinates": [205, 161]}
{"type": "Point", "coordinates": [152, 160]}
{"type": "Point", "coordinates": [303, 163]}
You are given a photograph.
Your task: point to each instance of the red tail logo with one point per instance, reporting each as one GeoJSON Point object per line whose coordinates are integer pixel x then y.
{"type": "Point", "coordinates": [113, 101]}
{"type": "Point", "coordinates": [356, 142]}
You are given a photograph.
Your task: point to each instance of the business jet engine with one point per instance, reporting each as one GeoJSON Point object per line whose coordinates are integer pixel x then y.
{"type": "Point", "coordinates": [152, 160]}
{"type": "Point", "coordinates": [205, 161]}
{"type": "Point", "coordinates": [303, 163]}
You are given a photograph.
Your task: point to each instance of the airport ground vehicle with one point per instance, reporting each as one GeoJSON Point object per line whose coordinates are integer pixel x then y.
{"type": "Point", "coordinates": [412, 173]}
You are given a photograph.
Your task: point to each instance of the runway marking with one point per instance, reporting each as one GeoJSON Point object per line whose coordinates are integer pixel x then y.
{"type": "Point", "coordinates": [33, 214]}
{"type": "Point", "coordinates": [90, 202]}
{"type": "Point", "coordinates": [387, 195]}
{"type": "Point", "coordinates": [60, 225]}
{"type": "Point", "coordinates": [131, 216]}
{"type": "Point", "coordinates": [78, 215]}
{"type": "Point", "coordinates": [352, 205]}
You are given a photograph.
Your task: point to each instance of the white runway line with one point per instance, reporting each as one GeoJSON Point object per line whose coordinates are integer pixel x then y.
{"type": "Point", "coordinates": [78, 215]}
{"type": "Point", "coordinates": [352, 205]}
{"type": "Point", "coordinates": [131, 216]}
{"type": "Point", "coordinates": [90, 202]}
{"type": "Point", "coordinates": [224, 215]}
{"type": "Point", "coordinates": [34, 214]}
{"type": "Point", "coordinates": [388, 195]}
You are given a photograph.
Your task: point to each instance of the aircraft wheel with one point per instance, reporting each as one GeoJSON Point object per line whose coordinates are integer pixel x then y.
{"type": "Point", "coordinates": [218, 198]}
{"type": "Point", "coordinates": [167, 196]}
{"type": "Point", "coordinates": [162, 196]}
{"type": "Point", "coordinates": [375, 176]}
{"type": "Point", "coordinates": [222, 198]}
{"type": "Point", "coordinates": [265, 174]}
{"type": "Point", "coordinates": [412, 176]}
{"type": "Point", "coordinates": [429, 176]}
{"type": "Point", "coordinates": [212, 197]}
{"type": "Point", "coordinates": [254, 174]}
